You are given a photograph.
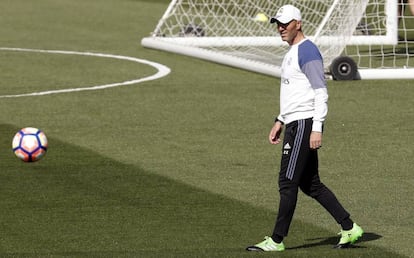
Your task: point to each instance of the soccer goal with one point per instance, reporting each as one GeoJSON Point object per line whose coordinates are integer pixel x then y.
{"type": "Point", "coordinates": [360, 39]}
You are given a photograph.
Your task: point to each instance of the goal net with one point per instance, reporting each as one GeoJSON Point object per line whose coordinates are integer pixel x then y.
{"type": "Point", "coordinates": [388, 49]}
{"type": "Point", "coordinates": [237, 33]}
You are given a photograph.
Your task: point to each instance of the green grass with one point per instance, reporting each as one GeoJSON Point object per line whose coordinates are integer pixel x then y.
{"type": "Point", "coordinates": [179, 167]}
{"type": "Point", "coordinates": [99, 207]}
{"type": "Point", "coordinates": [56, 71]}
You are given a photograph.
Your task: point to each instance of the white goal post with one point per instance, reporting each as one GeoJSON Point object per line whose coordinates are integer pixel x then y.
{"type": "Point", "coordinates": [358, 39]}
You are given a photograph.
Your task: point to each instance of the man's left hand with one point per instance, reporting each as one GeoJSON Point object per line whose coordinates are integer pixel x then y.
{"type": "Point", "coordinates": [315, 140]}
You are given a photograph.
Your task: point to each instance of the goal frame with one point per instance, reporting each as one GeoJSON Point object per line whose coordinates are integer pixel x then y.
{"type": "Point", "coordinates": [192, 46]}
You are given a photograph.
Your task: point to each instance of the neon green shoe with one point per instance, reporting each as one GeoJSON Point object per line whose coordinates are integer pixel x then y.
{"type": "Point", "coordinates": [349, 237]}
{"type": "Point", "coordinates": [267, 245]}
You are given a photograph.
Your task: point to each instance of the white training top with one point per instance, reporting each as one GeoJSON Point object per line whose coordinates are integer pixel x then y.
{"type": "Point", "coordinates": [303, 92]}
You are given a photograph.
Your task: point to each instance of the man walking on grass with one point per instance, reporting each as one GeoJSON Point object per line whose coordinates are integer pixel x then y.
{"type": "Point", "coordinates": [303, 108]}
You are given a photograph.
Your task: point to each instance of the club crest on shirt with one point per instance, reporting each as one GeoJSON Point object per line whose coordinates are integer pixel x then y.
{"type": "Point", "coordinates": [289, 62]}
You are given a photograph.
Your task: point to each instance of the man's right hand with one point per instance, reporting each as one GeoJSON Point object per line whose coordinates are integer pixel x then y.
{"type": "Point", "coordinates": [274, 135]}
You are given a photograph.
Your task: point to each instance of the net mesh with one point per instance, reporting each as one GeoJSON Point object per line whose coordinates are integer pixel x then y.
{"type": "Point", "coordinates": [382, 55]}
{"type": "Point", "coordinates": [239, 28]}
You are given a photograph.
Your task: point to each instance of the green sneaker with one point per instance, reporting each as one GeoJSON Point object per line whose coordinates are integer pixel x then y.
{"type": "Point", "coordinates": [267, 245]}
{"type": "Point", "coordinates": [349, 237]}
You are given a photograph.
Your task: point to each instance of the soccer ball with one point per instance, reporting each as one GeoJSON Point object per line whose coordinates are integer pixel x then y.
{"type": "Point", "coordinates": [29, 144]}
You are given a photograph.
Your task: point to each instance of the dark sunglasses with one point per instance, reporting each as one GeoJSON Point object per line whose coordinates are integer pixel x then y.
{"type": "Point", "coordinates": [283, 25]}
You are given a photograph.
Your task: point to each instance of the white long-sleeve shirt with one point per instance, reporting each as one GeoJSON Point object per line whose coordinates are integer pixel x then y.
{"type": "Point", "coordinates": [303, 92]}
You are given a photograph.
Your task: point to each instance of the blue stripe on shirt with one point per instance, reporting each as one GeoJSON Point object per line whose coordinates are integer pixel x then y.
{"type": "Point", "coordinates": [307, 52]}
{"type": "Point", "coordinates": [311, 64]}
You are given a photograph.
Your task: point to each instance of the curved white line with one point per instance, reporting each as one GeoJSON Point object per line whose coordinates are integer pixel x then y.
{"type": "Point", "coordinates": [162, 71]}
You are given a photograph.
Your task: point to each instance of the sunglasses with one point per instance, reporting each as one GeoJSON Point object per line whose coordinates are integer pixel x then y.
{"type": "Point", "coordinates": [283, 25]}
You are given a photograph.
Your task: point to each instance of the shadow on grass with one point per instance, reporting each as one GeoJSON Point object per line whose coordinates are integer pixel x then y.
{"type": "Point", "coordinates": [78, 203]}
{"type": "Point", "coordinates": [332, 241]}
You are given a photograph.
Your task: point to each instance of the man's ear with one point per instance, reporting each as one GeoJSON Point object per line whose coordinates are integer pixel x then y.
{"type": "Point", "coordinates": [299, 25]}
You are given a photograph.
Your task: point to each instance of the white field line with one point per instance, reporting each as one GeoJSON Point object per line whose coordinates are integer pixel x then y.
{"type": "Point", "coordinates": [162, 71]}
